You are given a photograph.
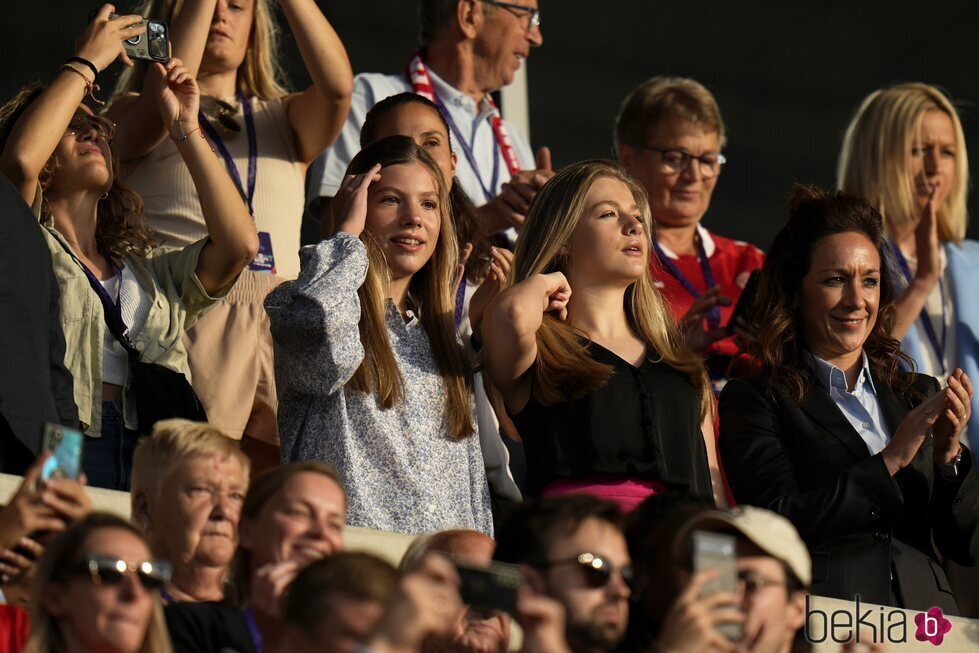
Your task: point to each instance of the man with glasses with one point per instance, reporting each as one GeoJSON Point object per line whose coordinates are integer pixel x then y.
{"type": "Point", "coordinates": [774, 571]}
{"type": "Point", "coordinates": [469, 49]}
{"type": "Point", "coordinates": [572, 549]}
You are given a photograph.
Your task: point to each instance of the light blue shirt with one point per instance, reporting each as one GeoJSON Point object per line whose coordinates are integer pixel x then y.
{"type": "Point", "coordinates": [860, 406]}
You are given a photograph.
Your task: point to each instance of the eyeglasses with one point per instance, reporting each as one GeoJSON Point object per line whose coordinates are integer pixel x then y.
{"type": "Point", "coordinates": [676, 161]}
{"type": "Point", "coordinates": [754, 582]}
{"type": "Point", "coordinates": [152, 574]}
{"type": "Point", "coordinates": [519, 11]}
{"type": "Point", "coordinates": [81, 122]}
{"type": "Point", "coordinates": [596, 570]}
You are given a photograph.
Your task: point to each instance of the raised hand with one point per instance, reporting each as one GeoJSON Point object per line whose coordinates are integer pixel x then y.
{"type": "Point", "coordinates": [270, 583]}
{"type": "Point", "coordinates": [927, 244]}
{"type": "Point", "coordinates": [690, 626]}
{"type": "Point", "coordinates": [953, 420]}
{"type": "Point", "coordinates": [350, 202]}
{"type": "Point", "coordinates": [178, 95]}
{"type": "Point", "coordinates": [542, 619]}
{"type": "Point", "coordinates": [25, 514]}
{"type": "Point", "coordinates": [692, 323]}
{"type": "Point", "coordinates": [556, 295]}
{"type": "Point", "coordinates": [101, 42]}
{"type": "Point", "coordinates": [501, 260]}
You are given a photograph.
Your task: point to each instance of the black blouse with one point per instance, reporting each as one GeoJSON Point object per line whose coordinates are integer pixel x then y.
{"type": "Point", "coordinates": [643, 424]}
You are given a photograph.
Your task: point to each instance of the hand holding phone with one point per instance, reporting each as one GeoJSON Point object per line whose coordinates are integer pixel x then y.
{"type": "Point", "coordinates": [491, 588]}
{"type": "Point", "coordinates": [716, 552]}
{"type": "Point", "coordinates": [153, 44]}
{"type": "Point", "coordinates": [65, 448]}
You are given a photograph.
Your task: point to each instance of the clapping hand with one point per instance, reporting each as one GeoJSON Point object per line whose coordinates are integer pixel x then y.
{"type": "Point", "coordinates": [501, 260]}
{"type": "Point", "coordinates": [692, 323]}
{"type": "Point", "coordinates": [950, 424]}
{"type": "Point", "coordinates": [179, 96]}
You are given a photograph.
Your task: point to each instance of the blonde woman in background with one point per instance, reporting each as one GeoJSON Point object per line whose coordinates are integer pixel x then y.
{"type": "Point", "coordinates": [97, 590]}
{"type": "Point", "coordinates": [265, 136]}
{"type": "Point", "coordinates": [189, 483]}
{"type": "Point", "coordinates": [587, 357]}
{"type": "Point", "coordinates": [904, 152]}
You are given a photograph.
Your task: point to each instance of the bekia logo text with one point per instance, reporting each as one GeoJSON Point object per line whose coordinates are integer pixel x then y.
{"type": "Point", "coordinates": [873, 625]}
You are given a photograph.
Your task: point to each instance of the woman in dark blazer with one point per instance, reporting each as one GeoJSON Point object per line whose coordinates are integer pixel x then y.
{"type": "Point", "coordinates": [864, 459]}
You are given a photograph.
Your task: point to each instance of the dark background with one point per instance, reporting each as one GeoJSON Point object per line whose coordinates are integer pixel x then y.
{"type": "Point", "coordinates": [788, 74]}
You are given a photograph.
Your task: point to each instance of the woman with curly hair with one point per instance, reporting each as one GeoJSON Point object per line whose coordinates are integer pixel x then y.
{"type": "Point", "coordinates": [266, 136]}
{"type": "Point", "coordinates": [58, 156]}
{"type": "Point", "coordinates": [863, 458]}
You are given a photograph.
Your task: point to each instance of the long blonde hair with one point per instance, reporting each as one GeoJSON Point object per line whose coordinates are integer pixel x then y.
{"type": "Point", "coordinates": [430, 288]}
{"type": "Point", "coordinates": [59, 562]}
{"type": "Point", "coordinates": [563, 369]}
{"type": "Point", "coordinates": [875, 161]}
{"type": "Point", "coordinates": [259, 74]}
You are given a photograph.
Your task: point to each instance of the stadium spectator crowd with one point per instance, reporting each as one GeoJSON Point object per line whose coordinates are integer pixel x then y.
{"type": "Point", "coordinates": [607, 427]}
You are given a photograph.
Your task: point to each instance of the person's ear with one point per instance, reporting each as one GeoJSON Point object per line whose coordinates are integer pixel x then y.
{"type": "Point", "coordinates": [245, 535]}
{"type": "Point", "coordinates": [470, 18]}
{"type": "Point", "coordinates": [53, 600]}
{"type": "Point", "coordinates": [141, 512]}
{"type": "Point", "coordinates": [795, 611]}
{"type": "Point", "coordinates": [455, 161]}
{"type": "Point", "coordinates": [626, 156]}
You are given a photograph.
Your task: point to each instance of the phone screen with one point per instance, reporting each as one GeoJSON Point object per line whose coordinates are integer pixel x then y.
{"type": "Point", "coordinates": [719, 552]}
{"type": "Point", "coordinates": [65, 446]}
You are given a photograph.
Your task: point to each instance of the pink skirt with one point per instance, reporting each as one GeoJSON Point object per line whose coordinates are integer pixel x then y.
{"type": "Point", "coordinates": [627, 493]}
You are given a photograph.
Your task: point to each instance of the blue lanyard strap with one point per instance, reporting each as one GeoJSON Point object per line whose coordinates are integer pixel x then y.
{"type": "Point", "coordinates": [253, 631]}
{"type": "Point", "coordinates": [714, 313]}
{"type": "Point", "coordinates": [489, 192]}
{"type": "Point", "coordinates": [938, 346]}
{"type": "Point", "coordinates": [229, 162]}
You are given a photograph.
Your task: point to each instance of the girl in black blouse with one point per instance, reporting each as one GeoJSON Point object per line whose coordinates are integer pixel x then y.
{"type": "Point", "coordinates": [605, 397]}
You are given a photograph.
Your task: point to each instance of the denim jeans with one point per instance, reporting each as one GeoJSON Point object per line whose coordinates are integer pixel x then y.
{"type": "Point", "coordinates": [108, 461]}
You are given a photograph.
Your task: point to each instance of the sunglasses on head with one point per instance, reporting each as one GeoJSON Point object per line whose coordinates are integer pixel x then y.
{"type": "Point", "coordinates": [596, 570]}
{"type": "Point", "coordinates": [152, 574]}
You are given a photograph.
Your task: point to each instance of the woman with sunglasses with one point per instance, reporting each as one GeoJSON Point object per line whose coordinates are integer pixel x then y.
{"type": "Point", "coordinates": [293, 515]}
{"type": "Point", "coordinates": [58, 156]}
{"type": "Point", "coordinates": [265, 136]}
{"type": "Point", "coordinates": [97, 590]}
{"type": "Point", "coordinates": [669, 136]}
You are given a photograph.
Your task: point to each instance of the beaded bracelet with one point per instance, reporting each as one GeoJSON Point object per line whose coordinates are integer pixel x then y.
{"type": "Point", "coordinates": [184, 137]}
{"type": "Point", "coordinates": [90, 87]}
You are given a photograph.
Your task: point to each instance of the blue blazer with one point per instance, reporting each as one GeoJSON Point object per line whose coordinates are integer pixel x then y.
{"type": "Point", "coordinates": [963, 270]}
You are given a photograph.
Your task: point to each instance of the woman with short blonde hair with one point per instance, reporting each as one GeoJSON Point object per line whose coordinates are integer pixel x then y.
{"type": "Point", "coordinates": [589, 361]}
{"type": "Point", "coordinates": [189, 483]}
{"type": "Point", "coordinates": [904, 152]}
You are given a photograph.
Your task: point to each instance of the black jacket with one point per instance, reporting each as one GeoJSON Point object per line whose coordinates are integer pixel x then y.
{"type": "Point", "coordinates": [807, 463]}
{"type": "Point", "coordinates": [35, 386]}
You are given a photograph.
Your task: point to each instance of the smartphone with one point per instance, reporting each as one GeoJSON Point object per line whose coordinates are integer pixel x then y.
{"type": "Point", "coordinates": [746, 301]}
{"type": "Point", "coordinates": [151, 45]}
{"type": "Point", "coordinates": [718, 551]}
{"type": "Point", "coordinates": [65, 446]}
{"type": "Point", "coordinates": [489, 588]}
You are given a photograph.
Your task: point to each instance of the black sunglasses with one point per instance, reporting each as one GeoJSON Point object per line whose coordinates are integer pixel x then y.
{"type": "Point", "coordinates": [596, 570]}
{"type": "Point", "coordinates": [152, 574]}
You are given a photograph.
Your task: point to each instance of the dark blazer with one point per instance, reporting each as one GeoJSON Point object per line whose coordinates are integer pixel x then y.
{"type": "Point", "coordinates": [807, 463]}
{"type": "Point", "coordinates": [35, 386]}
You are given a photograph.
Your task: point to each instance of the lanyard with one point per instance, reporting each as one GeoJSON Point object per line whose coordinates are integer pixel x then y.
{"type": "Point", "coordinates": [714, 313]}
{"type": "Point", "coordinates": [253, 631]}
{"type": "Point", "coordinates": [421, 84]}
{"type": "Point", "coordinates": [460, 300]}
{"type": "Point", "coordinates": [229, 162]}
{"type": "Point", "coordinates": [938, 346]}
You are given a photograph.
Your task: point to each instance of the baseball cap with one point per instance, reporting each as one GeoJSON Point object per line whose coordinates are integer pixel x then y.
{"type": "Point", "coordinates": [772, 533]}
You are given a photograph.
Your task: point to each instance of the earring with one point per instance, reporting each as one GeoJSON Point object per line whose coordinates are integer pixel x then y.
{"type": "Point", "coordinates": [103, 196]}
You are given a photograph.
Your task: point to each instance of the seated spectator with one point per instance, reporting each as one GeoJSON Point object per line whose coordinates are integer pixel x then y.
{"type": "Point", "coordinates": [474, 631]}
{"type": "Point", "coordinates": [265, 137]}
{"type": "Point", "coordinates": [774, 572]}
{"type": "Point", "coordinates": [97, 589]}
{"type": "Point", "coordinates": [572, 550]}
{"type": "Point", "coordinates": [293, 515]}
{"type": "Point", "coordinates": [586, 355]}
{"type": "Point", "coordinates": [669, 135]}
{"type": "Point", "coordinates": [863, 458]}
{"type": "Point", "coordinates": [189, 482]}
{"type": "Point", "coordinates": [485, 268]}
{"type": "Point", "coordinates": [58, 155]}
{"type": "Point", "coordinates": [335, 604]}
{"type": "Point", "coordinates": [31, 517]}
{"type": "Point", "coordinates": [366, 350]}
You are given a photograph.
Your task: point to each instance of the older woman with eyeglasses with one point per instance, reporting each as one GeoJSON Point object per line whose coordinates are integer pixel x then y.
{"type": "Point", "coordinates": [97, 591]}
{"type": "Point", "coordinates": [669, 135]}
{"type": "Point", "coordinates": [58, 156]}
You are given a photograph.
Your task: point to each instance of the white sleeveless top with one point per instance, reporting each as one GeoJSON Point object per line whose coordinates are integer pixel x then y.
{"type": "Point", "coordinates": [170, 200]}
